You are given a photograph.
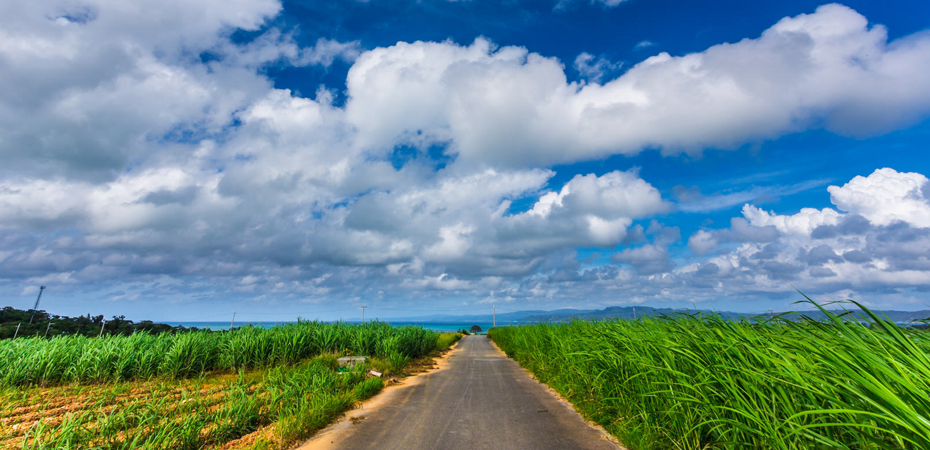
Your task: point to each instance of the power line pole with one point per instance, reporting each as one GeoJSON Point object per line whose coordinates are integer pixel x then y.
{"type": "Point", "coordinates": [231, 322]}
{"type": "Point", "coordinates": [101, 328]}
{"type": "Point", "coordinates": [363, 313]}
{"type": "Point", "coordinates": [17, 330]}
{"type": "Point", "coordinates": [46, 328]}
{"type": "Point", "coordinates": [36, 306]}
{"type": "Point", "coordinates": [494, 314]}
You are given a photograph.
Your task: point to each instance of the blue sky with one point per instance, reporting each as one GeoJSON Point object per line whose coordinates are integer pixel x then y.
{"type": "Point", "coordinates": [183, 160]}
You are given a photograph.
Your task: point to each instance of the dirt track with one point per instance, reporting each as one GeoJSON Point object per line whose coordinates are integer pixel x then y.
{"type": "Point", "coordinates": [478, 398]}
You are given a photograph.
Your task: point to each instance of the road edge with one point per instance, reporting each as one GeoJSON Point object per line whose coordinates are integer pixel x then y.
{"type": "Point", "coordinates": [596, 426]}
{"type": "Point", "coordinates": [337, 430]}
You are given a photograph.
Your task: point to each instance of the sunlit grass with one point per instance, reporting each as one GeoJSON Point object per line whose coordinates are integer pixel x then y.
{"type": "Point", "coordinates": [277, 389]}
{"type": "Point", "coordinates": [704, 382]}
{"type": "Point", "coordinates": [32, 361]}
{"type": "Point", "coordinates": [294, 400]}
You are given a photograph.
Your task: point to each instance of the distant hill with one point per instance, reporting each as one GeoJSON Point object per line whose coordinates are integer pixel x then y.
{"type": "Point", "coordinates": [633, 312]}
{"type": "Point", "coordinates": [624, 312]}
{"type": "Point", "coordinates": [502, 318]}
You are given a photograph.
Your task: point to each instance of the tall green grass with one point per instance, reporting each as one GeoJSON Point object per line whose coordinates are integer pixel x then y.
{"type": "Point", "coordinates": [704, 382]}
{"type": "Point", "coordinates": [38, 361]}
{"type": "Point", "coordinates": [282, 402]}
{"type": "Point", "coordinates": [298, 400]}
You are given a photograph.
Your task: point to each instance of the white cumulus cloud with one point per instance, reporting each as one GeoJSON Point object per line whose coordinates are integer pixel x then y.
{"type": "Point", "coordinates": [886, 196]}
{"type": "Point", "coordinates": [876, 239]}
{"type": "Point", "coordinates": [510, 106]}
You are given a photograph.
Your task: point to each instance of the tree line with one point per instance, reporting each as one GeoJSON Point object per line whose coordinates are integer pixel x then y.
{"type": "Point", "coordinates": [40, 323]}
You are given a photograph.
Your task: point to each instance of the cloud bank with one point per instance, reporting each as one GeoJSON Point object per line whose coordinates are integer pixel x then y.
{"type": "Point", "coordinates": [508, 106]}
{"type": "Point", "coordinates": [874, 240]}
{"type": "Point", "coordinates": [147, 155]}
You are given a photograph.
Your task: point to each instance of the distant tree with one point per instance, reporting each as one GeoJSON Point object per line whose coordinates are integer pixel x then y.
{"type": "Point", "coordinates": [475, 329]}
{"type": "Point", "coordinates": [88, 325]}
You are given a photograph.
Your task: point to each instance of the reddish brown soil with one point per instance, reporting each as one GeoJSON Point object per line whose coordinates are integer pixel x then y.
{"type": "Point", "coordinates": [53, 405]}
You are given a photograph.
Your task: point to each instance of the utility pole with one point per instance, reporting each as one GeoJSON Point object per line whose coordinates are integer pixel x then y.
{"type": "Point", "coordinates": [634, 313]}
{"type": "Point", "coordinates": [36, 306]}
{"type": "Point", "coordinates": [101, 328]}
{"type": "Point", "coordinates": [46, 328]}
{"type": "Point", "coordinates": [494, 314]}
{"type": "Point", "coordinates": [231, 322]}
{"type": "Point", "coordinates": [17, 330]}
{"type": "Point", "coordinates": [363, 313]}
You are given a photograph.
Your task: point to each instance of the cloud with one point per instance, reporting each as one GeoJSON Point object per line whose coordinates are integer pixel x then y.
{"type": "Point", "coordinates": [612, 195]}
{"type": "Point", "coordinates": [100, 84]}
{"type": "Point", "coordinates": [693, 201]}
{"type": "Point", "coordinates": [654, 258]}
{"type": "Point", "coordinates": [593, 68]}
{"type": "Point", "coordinates": [565, 4]}
{"type": "Point", "coordinates": [508, 106]}
{"type": "Point", "coordinates": [150, 156]}
{"type": "Point", "coordinates": [609, 3]}
{"type": "Point", "coordinates": [884, 197]}
{"type": "Point", "coordinates": [273, 46]}
{"type": "Point", "coordinates": [167, 221]}
{"type": "Point", "coordinates": [802, 223]}
{"type": "Point", "coordinates": [647, 260]}
{"type": "Point", "coordinates": [107, 85]}
{"type": "Point", "coordinates": [875, 240]}
{"type": "Point", "coordinates": [643, 44]}
{"type": "Point", "coordinates": [702, 242]}
{"type": "Point", "coordinates": [819, 255]}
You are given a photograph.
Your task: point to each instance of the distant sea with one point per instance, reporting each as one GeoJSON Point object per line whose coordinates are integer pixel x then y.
{"type": "Point", "coordinates": [437, 326]}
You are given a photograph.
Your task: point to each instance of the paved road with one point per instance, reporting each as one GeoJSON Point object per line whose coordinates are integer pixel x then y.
{"type": "Point", "coordinates": [480, 400]}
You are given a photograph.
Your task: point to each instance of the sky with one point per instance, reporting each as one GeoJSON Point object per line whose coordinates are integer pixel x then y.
{"type": "Point", "coordinates": [181, 160]}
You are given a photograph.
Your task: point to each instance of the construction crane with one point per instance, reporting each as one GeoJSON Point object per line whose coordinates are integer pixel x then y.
{"type": "Point", "coordinates": [36, 307]}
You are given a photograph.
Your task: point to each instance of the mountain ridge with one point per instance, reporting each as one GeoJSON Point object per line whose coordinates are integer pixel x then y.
{"type": "Point", "coordinates": [634, 312]}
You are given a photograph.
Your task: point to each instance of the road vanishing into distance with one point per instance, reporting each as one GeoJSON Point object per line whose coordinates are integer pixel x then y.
{"type": "Point", "coordinates": [479, 398]}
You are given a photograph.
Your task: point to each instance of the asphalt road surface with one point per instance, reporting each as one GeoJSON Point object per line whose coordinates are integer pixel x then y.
{"type": "Point", "coordinates": [480, 399]}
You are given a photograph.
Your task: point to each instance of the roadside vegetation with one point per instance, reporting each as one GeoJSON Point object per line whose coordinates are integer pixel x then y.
{"type": "Point", "coordinates": [704, 382]}
{"type": "Point", "coordinates": [80, 359]}
{"type": "Point", "coordinates": [246, 388]}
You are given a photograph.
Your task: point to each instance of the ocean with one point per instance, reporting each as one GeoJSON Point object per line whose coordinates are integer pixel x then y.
{"type": "Point", "coordinates": [436, 326]}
